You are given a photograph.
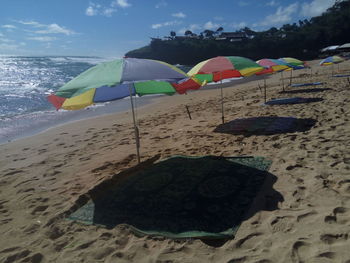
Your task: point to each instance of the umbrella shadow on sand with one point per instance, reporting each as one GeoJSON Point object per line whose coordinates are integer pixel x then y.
{"type": "Point", "coordinates": [183, 197]}
{"type": "Point", "coordinates": [304, 90]}
{"type": "Point", "coordinates": [265, 125]}
{"type": "Point", "coordinates": [289, 101]}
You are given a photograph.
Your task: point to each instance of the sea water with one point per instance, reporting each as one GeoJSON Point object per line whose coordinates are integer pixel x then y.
{"type": "Point", "coordinates": [25, 82]}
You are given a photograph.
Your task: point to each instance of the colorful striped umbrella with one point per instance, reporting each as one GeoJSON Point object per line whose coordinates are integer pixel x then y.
{"type": "Point", "coordinates": [331, 60]}
{"type": "Point", "coordinates": [219, 68]}
{"type": "Point", "coordinates": [294, 63]}
{"type": "Point", "coordinates": [225, 67]}
{"type": "Point", "coordinates": [118, 79]}
{"type": "Point", "coordinates": [121, 78]}
{"type": "Point", "coordinates": [271, 65]}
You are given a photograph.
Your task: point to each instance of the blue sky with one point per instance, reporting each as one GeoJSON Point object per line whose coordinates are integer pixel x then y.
{"type": "Point", "coordinates": [110, 28]}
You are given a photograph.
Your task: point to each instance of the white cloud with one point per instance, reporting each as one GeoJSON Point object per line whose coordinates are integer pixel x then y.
{"type": "Point", "coordinates": [5, 40]}
{"type": "Point", "coordinates": [42, 39]}
{"type": "Point", "coordinates": [121, 3]}
{"type": "Point", "coordinates": [109, 11]}
{"type": "Point", "coordinates": [179, 15]}
{"type": "Point", "coordinates": [97, 9]}
{"type": "Point", "coordinates": [9, 26]}
{"type": "Point", "coordinates": [161, 4]}
{"type": "Point", "coordinates": [272, 3]}
{"type": "Point", "coordinates": [91, 11]}
{"type": "Point", "coordinates": [55, 29]}
{"type": "Point", "coordinates": [192, 28]}
{"type": "Point", "coordinates": [169, 23]}
{"type": "Point", "coordinates": [48, 29]}
{"type": "Point", "coordinates": [210, 25]}
{"type": "Point", "coordinates": [316, 7]}
{"type": "Point", "coordinates": [31, 23]}
{"type": "Point", "coordinates": [281, 16]}
{"type": "Point", "coordinates": [239, 25]}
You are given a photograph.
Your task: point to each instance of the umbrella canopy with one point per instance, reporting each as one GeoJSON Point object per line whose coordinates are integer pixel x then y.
{"type": "Point", "coordinates": [271, 65]}
{"type": "Point", "coordinates": [294, 63]}
{"type": "Point", "coordinates": [331, 60]}
{"type": "Point", "coordinates": [121, 78]}
{"type": "Point", "coordinates": [224, 68]}
{"type": "Point", "coordinates": [118, 79]}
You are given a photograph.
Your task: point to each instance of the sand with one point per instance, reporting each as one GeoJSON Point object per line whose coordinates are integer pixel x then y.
{"type": "Point", "coordinates": [304, 217]}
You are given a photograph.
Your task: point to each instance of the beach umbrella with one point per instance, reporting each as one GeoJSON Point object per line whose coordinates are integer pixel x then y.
{"type": "Point", "coordinates": [219, 68]}
{"type": "Point", "coordinates": [272, 66]}
{"type": "Point", "coordinates": [121, 78]}
{"type": "Point", "coordinates": [294, 64]}
{"type": "Point", "coordinates": [225, 67]}
{"type": "Point", "coordinates": [331, 60]}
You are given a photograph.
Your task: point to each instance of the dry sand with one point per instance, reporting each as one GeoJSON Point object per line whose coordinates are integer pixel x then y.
{"type": "Point", "coordinates": [41, 177]}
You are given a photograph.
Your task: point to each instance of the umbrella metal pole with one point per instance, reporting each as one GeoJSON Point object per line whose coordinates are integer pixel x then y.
{"type": "Point", "coordinates": [222, 103]}
{"type": "Point", "coordinates": [291, 76]}
{"type": "Point", "coordinates": [282, 80]}
{"type": "Point", "coordinates": [136, 129]}
{"type": "Point", "coordinates": [265, 89]}
{"type": "Point", "coordinates": [311, 73]}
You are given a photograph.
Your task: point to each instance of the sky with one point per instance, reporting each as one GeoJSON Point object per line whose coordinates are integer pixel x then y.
{"type": "Point", "coordinates": [110, 28]}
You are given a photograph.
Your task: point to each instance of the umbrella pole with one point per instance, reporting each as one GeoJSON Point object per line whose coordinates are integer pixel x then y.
{"type": "Point", "coordinates": [282, 80]}
{"type": "Point", "coordinates": [311, 73]}
{"type": "Point", "coordinates": [291, 76]}
{"type": "Point", "coordinates": [265, 89]}
{"type": "Point", "coordinates": [136, 129]}
{"type": "Point", "coordinates": [222, 103]}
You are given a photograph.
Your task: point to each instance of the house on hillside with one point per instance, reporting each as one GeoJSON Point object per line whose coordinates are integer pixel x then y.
{"type": "Point", "coordinates": [232, 36]}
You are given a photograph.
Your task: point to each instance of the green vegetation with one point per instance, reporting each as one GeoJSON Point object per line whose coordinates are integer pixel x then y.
{"type": "Point", "coordinates": [302, 40]}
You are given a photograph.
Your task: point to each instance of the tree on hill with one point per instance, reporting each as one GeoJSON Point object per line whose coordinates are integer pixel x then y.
{"type": "Point", "coordinates": [172, 34]}
{"type": "Point", "coordinates": [188, 33]}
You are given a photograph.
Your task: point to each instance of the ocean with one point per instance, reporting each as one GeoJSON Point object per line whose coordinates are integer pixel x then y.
{"type": "Point", "coordinates": [25, 83]}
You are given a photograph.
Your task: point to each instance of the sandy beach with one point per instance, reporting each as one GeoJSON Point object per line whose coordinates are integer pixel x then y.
{"type": "Point", "coordinates": [43, 176]}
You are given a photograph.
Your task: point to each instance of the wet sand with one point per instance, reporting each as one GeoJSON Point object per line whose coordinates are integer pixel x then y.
{"type": "Point", "coordinates": [43, 176]}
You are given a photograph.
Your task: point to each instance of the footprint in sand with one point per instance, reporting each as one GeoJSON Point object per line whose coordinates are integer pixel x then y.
{"type": "Point", "coordinates": [300, 251]}
{"type": "Point", "coordinates": [329, 255]}
{"type": "Point", "coordinates": [334, 238]}
{"type": "Point", "coordinates": [306, 216]}
{"type": "Point", "coordinates": [17, 256]}
{"type": "Point", "coordinates": [342, 215]}
{"type": "Point", "coordinates": [250, 241]}
{"type": "Point", "coordinates": [282, 224]}
{"type": "Point", "coordinates": [238, 260]}
{"type": "Point", "coordinates": [344, 187]}
{"type": "Point", "coordinates": [39, 209]}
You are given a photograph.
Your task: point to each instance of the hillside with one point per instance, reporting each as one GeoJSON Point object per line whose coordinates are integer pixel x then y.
{"type": "Point", "coordinates": [302, 40]}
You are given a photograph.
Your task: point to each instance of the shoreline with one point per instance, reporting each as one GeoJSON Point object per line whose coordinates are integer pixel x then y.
{"type": "Point", "coordinates": [100, 110]}
{"type": "Point", "coordinates": [53, 119]}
